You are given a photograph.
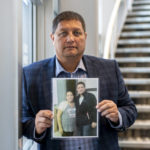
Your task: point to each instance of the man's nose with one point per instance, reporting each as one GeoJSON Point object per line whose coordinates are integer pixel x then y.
{"type": "Point", "coordinates": [70, 37]}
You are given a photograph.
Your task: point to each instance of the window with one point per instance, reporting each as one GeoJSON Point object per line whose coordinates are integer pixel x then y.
{"type": "Point", "coordinates": [27, 34]}
{"type": "Point", "coordinates": [27, 53]}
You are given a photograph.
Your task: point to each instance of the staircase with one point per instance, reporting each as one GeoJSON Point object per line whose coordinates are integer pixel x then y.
{"type": "Point", "coordinates": [133, 56]}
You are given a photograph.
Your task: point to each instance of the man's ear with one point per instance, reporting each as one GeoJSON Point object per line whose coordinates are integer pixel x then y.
{"type": "Point", "coordinates": [52, 37]}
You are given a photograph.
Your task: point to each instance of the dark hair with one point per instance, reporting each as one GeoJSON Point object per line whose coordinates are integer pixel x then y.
{"type": "Point", "coordinates": [81, 83]}
{"type": "Point", "coordinates": [69, 91]}
{"type": "Point", "coordinates": [67, 15]}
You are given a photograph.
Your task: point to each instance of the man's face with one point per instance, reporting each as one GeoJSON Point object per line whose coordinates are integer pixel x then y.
{"type": "Point", "coordinates": [69, 39]}
{"type": "Point", "coordinates": [80, 89]}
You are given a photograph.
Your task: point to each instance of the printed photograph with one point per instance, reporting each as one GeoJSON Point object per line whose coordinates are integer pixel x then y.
{"type": "Point", "coordinates": [74, 107]}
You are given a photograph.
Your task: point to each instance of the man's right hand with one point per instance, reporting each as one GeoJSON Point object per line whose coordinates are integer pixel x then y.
{"type": "Point", "coordinates": [43, 121]}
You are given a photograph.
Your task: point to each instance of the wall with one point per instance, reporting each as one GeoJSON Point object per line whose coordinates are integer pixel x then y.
{"type": "Point", "coordinates": [10, 51]}
{"type": "Point", "coordinates": [44, 19]}
{"type": "Point", "coordinates": [105, 13]}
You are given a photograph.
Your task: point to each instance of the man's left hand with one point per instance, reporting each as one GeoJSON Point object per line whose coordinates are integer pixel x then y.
{"type": "Point", "coordinates": [109, 110]}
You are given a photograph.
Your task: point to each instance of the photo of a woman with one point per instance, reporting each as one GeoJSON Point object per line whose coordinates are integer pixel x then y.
{"type": "Point", "coordinates": [66, 115]}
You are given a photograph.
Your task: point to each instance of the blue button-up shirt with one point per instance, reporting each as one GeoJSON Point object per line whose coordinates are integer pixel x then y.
{"type": "Point", "coordinates": [80, 71]}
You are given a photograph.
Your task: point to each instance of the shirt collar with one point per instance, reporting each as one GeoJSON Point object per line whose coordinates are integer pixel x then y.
{"type": "Point", "coordinates": [60, 69]}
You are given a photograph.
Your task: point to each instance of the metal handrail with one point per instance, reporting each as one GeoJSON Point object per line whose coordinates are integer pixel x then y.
{"type": "Point", "coordinates": [110, 29]}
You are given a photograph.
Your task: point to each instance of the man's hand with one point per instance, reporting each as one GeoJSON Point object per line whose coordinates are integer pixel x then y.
{"type": "Point", "coordinates": [108, 109]}
{"type": "Point", "coordinates": [43, 121]}
{"type": "Point", "coordinates": [94, 124]}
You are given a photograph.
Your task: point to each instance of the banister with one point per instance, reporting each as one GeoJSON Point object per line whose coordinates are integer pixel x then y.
{"type": "Point", "coordinates": [110, 29]}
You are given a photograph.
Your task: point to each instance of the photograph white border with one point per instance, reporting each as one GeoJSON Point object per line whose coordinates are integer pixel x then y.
{"type": "Point", "coordinates": [54, 93]}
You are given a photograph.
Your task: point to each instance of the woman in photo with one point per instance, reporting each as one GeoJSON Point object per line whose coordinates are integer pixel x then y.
{"type": "Point", "coordinates": [66, 115]}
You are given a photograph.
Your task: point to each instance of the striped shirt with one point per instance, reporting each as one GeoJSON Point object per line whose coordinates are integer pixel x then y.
{"type": "Point", "coordinates": [80, 71]}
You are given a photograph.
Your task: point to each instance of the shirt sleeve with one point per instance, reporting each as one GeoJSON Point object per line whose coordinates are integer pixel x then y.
{"type": "Point", "coordinates": [62, 106]}
{"type": "Point", "coordinates": [39, 138]}
{"type": "Point", "coordinates": [120, 122]}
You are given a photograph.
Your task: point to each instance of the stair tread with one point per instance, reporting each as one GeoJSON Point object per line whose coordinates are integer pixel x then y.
{"type": "Point", "coordinates": [138, 19]}
{"type": "Point", "coordinates": [146, 7]}
{"type": "Point", "coordinates": [134, 41]}
{"type": "Point", "coordinates": [137, 26]}
{"type": "Point", "coordinates": [133, 59]}
{"type": "Point", "coordinates": [139, 94]}
{"type": "Point", "coordinates": [141, 2]}
{"type": "Point", "coordinates": [137, 139]}
{"type": "Point", "coordinates": [139, 13]}
{"type": "Point", "coordinates": [141, 124]}
{"type": "Point", "coordinates": [135, 70]}
{"type": "Point", "coordinates": [133, 50]}
{"type": "Point", "coordinates": [135, 142]}
{"type": "Point", "coordinates": [135, 33]}
{"type": "Point", "coordinates": [144, 108]}
{"type": "Point", "coordinates": [136, 81]}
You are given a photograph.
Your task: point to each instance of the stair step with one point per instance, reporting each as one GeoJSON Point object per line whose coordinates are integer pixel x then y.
{"type": "Point", "coordinates": [135, 34]}
{"type": "Point", "coordinates": [141, 124]}
{"type": "Point", "coordinates": [139, 94]}
{"type": "Point", "coordinates": [135, 74]}
{"type": "Point", "coordinates": [134, 41]}
{"type": "Point", "coordinates": [142, 7]}
{"type": "Point", "coordinates": [133, 59]}
{"type": "Point", "coordinates": [145, 26]}
{"type": "Point", "coordinates": [135, 132]}
{"type": "Point", "coordinates": [145, 109]}
{"type": "Point", "coordinates": [143, 2]}
{"type": "Point", "coordinates": [137, 19]}
{"type": "Point", "coordinates": [133, 50]}
{"type": "Point", "coordinates": [135, 70]}
{"type": "Point", "coordinates": [137, 81]}
{"type": "Point", "coordinates": [135, 143]}
{"type": "Point", "coordinates": [139, 13]}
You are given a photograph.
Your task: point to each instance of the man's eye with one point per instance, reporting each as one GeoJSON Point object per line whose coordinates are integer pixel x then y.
{"type": "Point", "coordinates": [77, 33]}
{"type": "Point", "coordinates": [63, 34]}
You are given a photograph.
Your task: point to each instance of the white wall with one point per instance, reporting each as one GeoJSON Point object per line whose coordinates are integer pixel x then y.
{"type": "Point", "coordinates": [89, 10]}
{"type": "Point", "coordinates": [44, 19]}
{"type": "Point", "coordinates": [10, 44]}
{"type": "Point", "coordinates": [106, 7]}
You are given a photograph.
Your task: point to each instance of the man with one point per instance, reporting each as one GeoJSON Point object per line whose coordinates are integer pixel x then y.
{"type": "Point", "coordinates": [86, 114]}
{"type": "Point", "coordinates": [117, 111]}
